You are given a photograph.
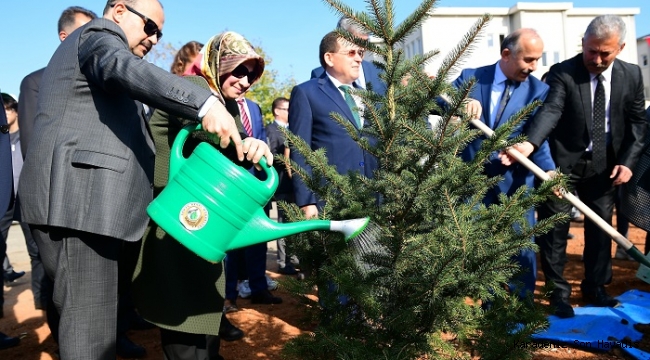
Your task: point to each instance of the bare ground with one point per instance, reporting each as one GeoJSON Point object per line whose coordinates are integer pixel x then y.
{"type": "Point", "coordinates": [268, 327]}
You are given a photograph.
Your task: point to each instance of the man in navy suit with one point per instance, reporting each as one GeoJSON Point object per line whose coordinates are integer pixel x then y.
{"type": "Point", "coordinates": [6, 201]}
{"type": "Point", "coordinates": [501, 90]}
{"type": "Point", "coordinates": [368, 72]}
{"type": "Point", "coordinates": [309, 117]}
{"type": "Point", "coordinates": [250, 260]}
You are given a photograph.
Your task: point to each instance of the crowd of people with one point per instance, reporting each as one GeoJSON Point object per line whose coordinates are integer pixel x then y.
{"type": "Point", "coordinates": [96, 127]}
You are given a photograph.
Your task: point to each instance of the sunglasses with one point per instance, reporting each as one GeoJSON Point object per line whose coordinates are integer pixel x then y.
{"type": "Point", "coordinates": [352, 53]}
{"type": "Point", "coordinates": [241, 71]}
{"type": "Point", "coordinates": [150, 26]}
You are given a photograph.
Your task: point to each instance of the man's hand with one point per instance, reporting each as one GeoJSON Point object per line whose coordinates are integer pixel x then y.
{"type": "Point", "coordinates": [255, 149]}
{"type": "Point", "coordinates": [621, 174]}
{"type": "Point", "coordinates": [219, 122]}
{"type": "Point", "coordinates": [474, 108]}
{"type": "Point", "coordinates": [310, 211]}
{"type": "Point", "coordinates": [525, 148]}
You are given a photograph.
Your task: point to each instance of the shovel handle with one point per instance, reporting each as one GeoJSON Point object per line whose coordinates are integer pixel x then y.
{"type": "Point", "coordinates": [575, 201]}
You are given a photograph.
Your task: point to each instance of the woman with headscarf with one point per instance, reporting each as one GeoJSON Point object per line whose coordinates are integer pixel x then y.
{"type": "Point", "coordinates": [174, 288]}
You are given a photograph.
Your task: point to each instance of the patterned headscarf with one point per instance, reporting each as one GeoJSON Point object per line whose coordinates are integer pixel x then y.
{"type": "Point", "coordinates": [221, 55]}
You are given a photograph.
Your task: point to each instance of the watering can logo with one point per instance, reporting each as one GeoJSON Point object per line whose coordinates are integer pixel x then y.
{"type": "Point", "coordinates": [211, 205]}
{"type": "Point", "coordinates": [194, 216]}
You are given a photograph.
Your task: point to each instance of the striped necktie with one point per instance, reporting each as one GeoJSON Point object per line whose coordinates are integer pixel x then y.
{"type": "Point", "coordinates": [245, 121]}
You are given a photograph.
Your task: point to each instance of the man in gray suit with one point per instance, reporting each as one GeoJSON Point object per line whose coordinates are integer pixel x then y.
{"type": "Point", "coordinates": [88, 174]}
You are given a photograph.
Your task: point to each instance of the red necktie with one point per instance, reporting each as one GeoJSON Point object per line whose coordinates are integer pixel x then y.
{"type": "Point", "coordinates": [244, 117]}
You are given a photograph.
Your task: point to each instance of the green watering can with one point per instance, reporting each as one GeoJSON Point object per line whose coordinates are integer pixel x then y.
{"type": "Point", "coordinates": [211, 205]}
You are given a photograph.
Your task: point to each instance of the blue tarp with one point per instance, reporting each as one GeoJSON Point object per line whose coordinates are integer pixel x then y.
{"type": "Point", "coordinates": [602, 329]}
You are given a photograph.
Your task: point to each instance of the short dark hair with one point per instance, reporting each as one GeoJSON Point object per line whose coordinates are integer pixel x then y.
{"type": "Point", "coordinates": [277, 102]}
{"type": "Point", "coordinates": [329, 44]}
{"type": "Point", "coordinates": [9, 102]}
{"type": "Point", "coordinates": [68, 15]}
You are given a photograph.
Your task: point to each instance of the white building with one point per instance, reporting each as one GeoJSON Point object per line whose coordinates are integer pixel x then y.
{"type": "Point", "coordinates": [560, 25]}
{"type": "Point", "coordinates": [643, 49]}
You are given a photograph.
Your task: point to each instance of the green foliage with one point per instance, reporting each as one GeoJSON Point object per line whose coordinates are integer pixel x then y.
{"type": "Point", "coordinates": [268, 88]}
{"type": "Point", "coordinates": [438, 250]}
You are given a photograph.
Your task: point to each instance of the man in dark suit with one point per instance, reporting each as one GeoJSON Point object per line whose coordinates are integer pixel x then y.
{"type": "Point", "coordinates": [250, 260]}
{"type": "Point", "coordinates": [88, 173]}
{"type": "Point", "coordinates": [6, 202]}
{"type": "Point", "coordinates": [502, 89]}
{"type": "Point", "coordinates": [309, 117]}
{"type": "Point", "coordinates": [594, 118]}
{"type": "Point", "coordinates": [368, 72]}
{"type": "Point", "coordinates": [278, 145]}
{"type": "Point", "coordinates": [70, 19]}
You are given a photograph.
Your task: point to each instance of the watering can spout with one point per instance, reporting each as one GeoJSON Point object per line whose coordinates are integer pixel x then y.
{"type": "Point", "coordinates": [262, 229]}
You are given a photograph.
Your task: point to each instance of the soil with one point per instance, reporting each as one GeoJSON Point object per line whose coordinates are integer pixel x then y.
{"type": "Point", "coordinates": [268, 327]}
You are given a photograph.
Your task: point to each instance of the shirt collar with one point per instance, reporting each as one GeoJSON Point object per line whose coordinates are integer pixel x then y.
{"type": "Point", "coordinates": [499, 76]}
{"type": "Point", "coordinates": [336, 82]}
{"type": "Point", "coordinates": [284, 125]}
{"type": "Point", "coordinates": [607, 74]}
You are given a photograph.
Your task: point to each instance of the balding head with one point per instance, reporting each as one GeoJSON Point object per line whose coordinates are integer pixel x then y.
{"type": "Point", "coordinates": [520, 52]}
{"type": "Point", "coordinates": [141, 20]}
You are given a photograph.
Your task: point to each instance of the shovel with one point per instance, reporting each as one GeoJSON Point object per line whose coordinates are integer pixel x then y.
{"type": "Point", "coordinates": [630, 249]}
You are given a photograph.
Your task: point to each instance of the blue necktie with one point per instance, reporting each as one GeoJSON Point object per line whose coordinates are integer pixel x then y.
{"type": "Point", "coordinates": [351, 103]}
{"type": "Point", "coordinates": [505, 96]}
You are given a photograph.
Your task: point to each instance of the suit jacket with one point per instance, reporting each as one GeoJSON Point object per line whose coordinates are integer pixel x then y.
{"type": "Point", "coordinates": [277, 144]}
{"type": "Point", "coordinates": [27, 101]}
{"type": "Point", "coordinates": [6, 171]}
{"type": "Point", "coordinates": [528, 91]}
{"type": "Point", "coordinates": [310, 106]}
{"type": "Point", "coordinates": [370, 73]}
{"type": "Point", "coordinates": [565, 117]}
{"type": "Point", "coordinates": [90, 162]}
{"type": "Point", "coordinates": [259, 131]}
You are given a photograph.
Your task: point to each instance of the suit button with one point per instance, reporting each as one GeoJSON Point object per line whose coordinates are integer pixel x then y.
{"type": "Point", "coordinates": [151, 185]}
{"type": "Point", "coordinates": [362, 163]}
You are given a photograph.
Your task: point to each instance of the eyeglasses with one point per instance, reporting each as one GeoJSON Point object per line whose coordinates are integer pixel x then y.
{"type": "Point", "coordinates": [241, 71]}
{"type": "Point", "coordinates": [285, 109]}
{"type": "Point", "coordinates": [352, 53]}
{"type": "Point", "coordinates": [150, 26]}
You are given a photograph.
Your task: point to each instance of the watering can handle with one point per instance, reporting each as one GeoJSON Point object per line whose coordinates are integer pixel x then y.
{"type": "Point", "coordinates": [177, 159]}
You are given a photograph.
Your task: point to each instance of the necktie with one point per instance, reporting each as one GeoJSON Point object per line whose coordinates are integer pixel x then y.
{"type": "Point", "coordinates": [245, 121]}
{"type": "Point", "coordinates": [502, 104]}
{"type": "Point", "coordinates": [599, 146]}
{"type": "Point", "coordinates": [351, 103]}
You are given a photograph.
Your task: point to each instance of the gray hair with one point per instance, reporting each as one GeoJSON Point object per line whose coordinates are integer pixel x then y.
{"type": "Point", "coordinates": [606, 26]}
{"type": "Point", "coordinates": [511, 42]}
{"type": "Point", "coordinates": [351, 26]}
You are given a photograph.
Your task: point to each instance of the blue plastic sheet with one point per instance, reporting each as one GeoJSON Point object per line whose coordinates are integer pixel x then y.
{"type": "Point", "coordinates": [602, 329]}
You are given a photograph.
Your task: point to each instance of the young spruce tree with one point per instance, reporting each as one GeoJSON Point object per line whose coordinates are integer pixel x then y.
{"type": "Point", "coordinates": [441, 251]}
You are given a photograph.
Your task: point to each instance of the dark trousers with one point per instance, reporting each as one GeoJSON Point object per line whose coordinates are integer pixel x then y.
{"type": "Point", "coordinates": [183, 346]}
{"type": "Point", "coordinates": [253, 258]}
{"type": "Point", "coordinates": [84, 268]}
{"type": "Point", "coordinates": [597, 192]}
{"type": "Point", "coordinates": [41, 286]}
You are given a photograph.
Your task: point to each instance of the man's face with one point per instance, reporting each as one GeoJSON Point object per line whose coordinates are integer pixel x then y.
{"type": "Point", "coordinates": [133, 24]}
{"type": "Point", "coordinates": [518, 66]}
{"type": "Point", "coordinates": [598, 54]}
{"type": "Point", "coordinates": [344, 63]}
{"type": "Point", "coordinates": [282, 111]}
{"type": "Point", "coordinates": [12, 116]}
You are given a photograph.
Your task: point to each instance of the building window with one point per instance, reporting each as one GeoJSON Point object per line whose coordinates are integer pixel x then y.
{"type": "Point", "coordinates": [556, 57]}
{"type": "Point", "coordinates": [645, 60]}
{"type": "Point", "coordinates": [544, 59]}
{"type": "Point", "coordinates": [490, 40]}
